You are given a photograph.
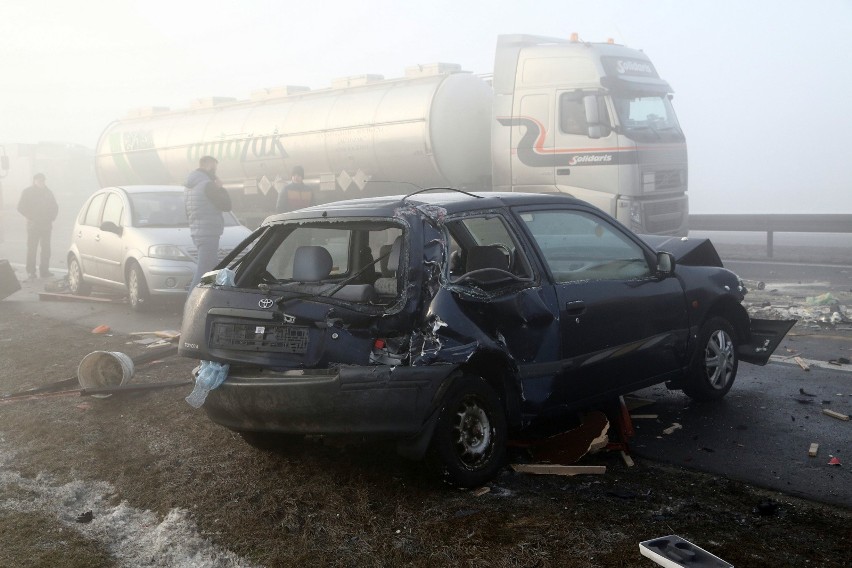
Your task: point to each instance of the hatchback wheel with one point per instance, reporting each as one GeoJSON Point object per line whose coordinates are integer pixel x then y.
{"type": "Point", "coordinates": [137, 288]}
{"type": "Point", "coordinates": [714, 367]}
{"type": "Point", "coordinates": [76, 284]}
{"type": "Point", "coordinates": [469, 444]}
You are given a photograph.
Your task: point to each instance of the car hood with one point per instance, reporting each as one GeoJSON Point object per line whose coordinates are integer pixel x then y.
{"type": "Point", "coordinates": [686, 251]}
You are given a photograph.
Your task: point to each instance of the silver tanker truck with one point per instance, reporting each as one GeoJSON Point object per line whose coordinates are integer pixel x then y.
{"type": "Point", "coordinates": [591, 119]}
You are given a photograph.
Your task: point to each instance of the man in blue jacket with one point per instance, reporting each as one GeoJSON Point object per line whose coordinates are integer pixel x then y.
{"type": "Point", "coordinates": [39, 206]}
{"type": "Point", "coordinates": [206, 223]}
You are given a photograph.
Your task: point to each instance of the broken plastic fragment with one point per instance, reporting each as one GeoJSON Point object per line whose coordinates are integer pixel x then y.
{"type": "Point", "coordinates": [210, 375]}
{"type": "Point", "coordinates": [834, 461]}
{"type": "Point", "coordinates": [225, 277]}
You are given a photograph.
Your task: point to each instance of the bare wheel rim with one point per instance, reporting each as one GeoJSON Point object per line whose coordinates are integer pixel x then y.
{"type": "Point", "coordinates": [133, 286]}
{"type": "Point", "coordinates": [74, 277]}
{"type": "Point", "coordinates": [472, 433]}
{"type": "Point", "coordinates": [719, 359]}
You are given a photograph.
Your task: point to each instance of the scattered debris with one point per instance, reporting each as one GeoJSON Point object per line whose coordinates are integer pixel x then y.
{"type": "Point", "coordinates": [85, 517]}
{"type": "Point", "coordinates": [802, 391]}
{"type": "Point", "coordinates": [834, 414]}
{"type": "Point", "coordinates": [672, 428]}
{"type": "Point", "coordinates": [840, 361]}
{"type": "Point", "coordinates": [53, 297]}
{"type": "Point", "coordinates": [672, 551]}
{"type": "Point", "coordinates": [628, 461]}
{"type": "Point", "coordinates": [834, 461]}
{"type": "Point", "coordinates": [812, 451]}
{"type": "Point", "coordinates": [802, 364]}
{"type": "Point", "coordinates": [480, 492]}
{"type": "Point", "coordinates": [634, 402]}
{"type": "Point", "coordinates": [568, 447]}
{"type": "Point", "coordinates": [555, 469]}
{"type": "Point", "coordinates": [101, 329]}
{"type": "Point", "coordinates": [643, 416]}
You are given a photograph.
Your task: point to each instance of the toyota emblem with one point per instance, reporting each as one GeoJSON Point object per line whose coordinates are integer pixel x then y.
{"type": "Point", "coordinates": [265, 303]}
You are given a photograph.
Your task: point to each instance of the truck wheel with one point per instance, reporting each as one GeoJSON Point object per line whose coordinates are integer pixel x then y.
{"type": "Point", "coordinates": [76, 283]}
{"type": "Point", "coordinates": [137, 288]}
{"type": "Point", "coordinates": [714, 367]}
{"type": "Point", "coordinates": [469, 443]}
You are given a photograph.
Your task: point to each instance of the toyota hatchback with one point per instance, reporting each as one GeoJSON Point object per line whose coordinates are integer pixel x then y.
{"type": "Point", "coordinates": [452, 322]}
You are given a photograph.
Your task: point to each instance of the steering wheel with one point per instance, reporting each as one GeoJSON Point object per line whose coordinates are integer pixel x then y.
{"type": "Point", "coordinates": [502, 276]}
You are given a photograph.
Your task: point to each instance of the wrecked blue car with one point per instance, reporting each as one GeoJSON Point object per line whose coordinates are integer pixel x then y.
{"type": "Point", "coordinates": [453, 322]}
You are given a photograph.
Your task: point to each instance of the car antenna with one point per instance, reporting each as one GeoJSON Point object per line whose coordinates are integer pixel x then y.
{"type": "Point", "coordinates": [422, 189]}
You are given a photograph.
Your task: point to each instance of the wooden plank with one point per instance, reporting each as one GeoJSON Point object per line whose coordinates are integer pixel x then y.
{"type": "Point", "coordinates": [802, 363]}
{"type": "Point", "coordinates": [812, 451]}
{"type": "Point", "coordinates": [834, 414]}
{"type": "Point", "coordinates": [553, 469]}
{"type": "Point", "coordinates": [480, 492]}
{"type": "Point", "coordinates": [628, 461]}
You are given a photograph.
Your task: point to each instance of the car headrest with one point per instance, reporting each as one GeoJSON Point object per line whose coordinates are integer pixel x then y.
{"type": "Point", "coordinates": [479, 257]}
{"type": "Point", "coordinates": [311, 264]}
{"type": "Point", "coordinates": [390, 263]}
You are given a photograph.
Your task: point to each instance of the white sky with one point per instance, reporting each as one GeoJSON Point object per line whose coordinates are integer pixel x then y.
{"type": "Point", "coordinates": [762, 86]}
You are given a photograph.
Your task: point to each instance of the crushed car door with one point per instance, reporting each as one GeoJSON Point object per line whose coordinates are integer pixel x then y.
{"type": "Point", "coordinates": [621, 325]}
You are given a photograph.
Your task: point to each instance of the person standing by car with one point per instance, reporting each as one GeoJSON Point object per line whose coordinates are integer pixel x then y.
{"type": "Point", "coordinates": [39, 206]}
{"type": "Point", "coordinates": [295, 194]}
{"type": "Point", "coordinates": [204, 213]}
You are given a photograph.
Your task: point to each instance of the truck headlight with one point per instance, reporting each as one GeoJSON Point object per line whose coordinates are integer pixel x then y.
{"type": "Point", "coordinates": [636, 216]}
{"type": "Point", "coordinates": [167, 252]}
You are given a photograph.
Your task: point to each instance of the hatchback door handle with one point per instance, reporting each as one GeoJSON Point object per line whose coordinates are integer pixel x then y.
{"type": "Point", "coordinates": [575, 308]}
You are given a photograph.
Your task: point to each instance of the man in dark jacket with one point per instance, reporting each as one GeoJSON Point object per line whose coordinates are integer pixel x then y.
{"type": "Point", "coordinates": [295, 194]}
{"type": "Point", "coordinates": [206, 223]}
{"type": "Point", "coordinates": [39, 206]}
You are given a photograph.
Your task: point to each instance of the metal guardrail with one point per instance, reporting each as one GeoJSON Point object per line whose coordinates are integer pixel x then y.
{"type": "Point", "coordinates": [773, 223]}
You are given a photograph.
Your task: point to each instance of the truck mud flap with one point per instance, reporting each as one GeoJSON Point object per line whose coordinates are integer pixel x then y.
{"type": "Point", "coordinates": [766, 335]}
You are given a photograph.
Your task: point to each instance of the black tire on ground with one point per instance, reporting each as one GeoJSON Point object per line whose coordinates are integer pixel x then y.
{"type": "Point", "coordinates": [76, 285]}
{"type": "Point", "coordinates": [714, 366]}
{"type": "Point", "coordinates": [469, 443]}
{"type": "Point", "coordinates": [137, 288]}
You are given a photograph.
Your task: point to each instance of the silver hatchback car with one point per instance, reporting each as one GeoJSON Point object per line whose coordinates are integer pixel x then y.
{"type": "Point", "coordinates": [137, 238]}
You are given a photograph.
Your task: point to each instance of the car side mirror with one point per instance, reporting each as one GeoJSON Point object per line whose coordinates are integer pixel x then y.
{"type": "Point", "coordinates": [665, 264]}
{"type": "Point", "coordinates": [111, 227]}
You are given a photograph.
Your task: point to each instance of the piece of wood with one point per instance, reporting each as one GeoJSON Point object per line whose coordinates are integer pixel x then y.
{"type": "Point", "coordinates": [802, 364]}
{"type": "Point", "coordinates": [643, 416]}
{"type": "Point", "coordinates": [634, 402]}
{"type": "Point", "coordinates": [553, 469]}
{"type": "Point", "coordinates": [812, 451]}
{"type": "Point", "coordinates": [628, 461]}
{"type": "Point", "coordinates": [480, 492]}
{"type": "Point", "coordinates": [672, 428]}
{"type": "Point", "coordinates": [51, 297]}
{"type": "Point", "coordinates": [834, 414]}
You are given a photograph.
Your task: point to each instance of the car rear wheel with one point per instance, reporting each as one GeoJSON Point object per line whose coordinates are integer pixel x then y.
{"type": "Point", "coordinates": [469, 443]}
{"type": "Point", "coordinates": [714, 367]}
{"type": "Point", "coordinates": [137, 288]}
{"type": "Point", "coordinates": [76, 284]}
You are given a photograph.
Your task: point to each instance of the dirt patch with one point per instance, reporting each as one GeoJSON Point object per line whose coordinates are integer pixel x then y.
{"type": "Point", "coordinates": [151, 460]}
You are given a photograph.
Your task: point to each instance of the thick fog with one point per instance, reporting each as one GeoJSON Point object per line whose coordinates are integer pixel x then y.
{"type": "Point", "coordinates": [762, 87]}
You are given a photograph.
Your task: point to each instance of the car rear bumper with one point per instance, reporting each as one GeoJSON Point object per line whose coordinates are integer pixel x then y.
{"type": "Point", "coordinates": [345, 400]}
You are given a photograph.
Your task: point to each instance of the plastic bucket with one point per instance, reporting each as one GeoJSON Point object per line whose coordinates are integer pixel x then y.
{"type": "Point", "coordinates": [102, 369]}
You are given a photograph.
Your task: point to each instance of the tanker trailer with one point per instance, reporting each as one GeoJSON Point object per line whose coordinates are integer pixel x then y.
{"type": "Point", "coordinates": [364, 136]}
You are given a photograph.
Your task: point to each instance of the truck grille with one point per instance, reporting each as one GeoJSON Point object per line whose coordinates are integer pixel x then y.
{"type": "Point", "coordinates": [253, 337]}
{"type": "Point", "coordinates": [668, 179]}
{"type": "Point", "coordinates": [663, 217]}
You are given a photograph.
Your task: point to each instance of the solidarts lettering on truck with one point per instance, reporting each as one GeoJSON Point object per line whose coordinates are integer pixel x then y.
{"type": "Point", "coordinates": [590, 119]}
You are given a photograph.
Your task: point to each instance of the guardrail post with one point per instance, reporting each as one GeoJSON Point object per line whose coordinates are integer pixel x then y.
{"type": "Point", "coordinates": [769, 239]}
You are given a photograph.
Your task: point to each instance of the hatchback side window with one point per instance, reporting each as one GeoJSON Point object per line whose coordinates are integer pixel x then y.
{"type": "Point", "coordinates": [93, 213]}
{"type": "Point", "coordinates": [113, 210]}
{"type": "Point", "coordinates": [580, 246]}
{"type": "Point", "coordinates": [486, 247]}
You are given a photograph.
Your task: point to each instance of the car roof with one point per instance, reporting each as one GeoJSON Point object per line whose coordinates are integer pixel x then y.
{"type": "Point", "coordinates": [133, 189]}
{"type": "Point", "coordinates": [452, 201]}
